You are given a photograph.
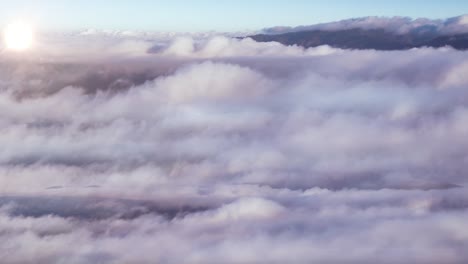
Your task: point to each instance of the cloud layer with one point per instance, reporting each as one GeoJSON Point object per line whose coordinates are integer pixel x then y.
{"type": "Point", "coordinates": [220, 150]}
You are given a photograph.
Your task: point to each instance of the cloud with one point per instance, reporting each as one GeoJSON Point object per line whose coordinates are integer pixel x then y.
{"type": "Point", "coordinates": [213, 150]}
{"type": "Point", "coordinates": [222, 46]}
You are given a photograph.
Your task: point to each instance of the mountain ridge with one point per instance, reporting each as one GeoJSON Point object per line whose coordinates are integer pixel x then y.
{"type": "Point", "coordinates": [379, 33]}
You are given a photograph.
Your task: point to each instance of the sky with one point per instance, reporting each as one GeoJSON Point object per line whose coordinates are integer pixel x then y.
{"type": "Point", "coordinates": [206, 15]}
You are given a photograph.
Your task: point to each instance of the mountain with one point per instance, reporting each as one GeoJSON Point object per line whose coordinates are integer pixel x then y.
{"type": "Point", "coordinates": [374, 33]}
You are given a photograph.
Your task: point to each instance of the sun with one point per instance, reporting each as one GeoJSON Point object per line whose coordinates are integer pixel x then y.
{"type": "Point", "coordinates": [18, 36]}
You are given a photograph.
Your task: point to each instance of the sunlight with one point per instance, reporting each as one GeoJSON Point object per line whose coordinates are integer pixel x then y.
{"type": "Point", "coordinates": [18, 36]}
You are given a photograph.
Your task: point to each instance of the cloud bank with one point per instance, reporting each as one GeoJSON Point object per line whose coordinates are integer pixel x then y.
{"type": "Point", "coordinates": [219, 150]}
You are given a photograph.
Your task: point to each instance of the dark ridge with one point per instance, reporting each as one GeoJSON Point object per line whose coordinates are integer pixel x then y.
{"type": "Point", "coordinates": [377, 39]}
{"type": "Point", "coordinates": [459, 42]}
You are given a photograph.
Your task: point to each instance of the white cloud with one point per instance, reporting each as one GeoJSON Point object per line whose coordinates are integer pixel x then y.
{"type": "Point", "coordinates": [212, 149]}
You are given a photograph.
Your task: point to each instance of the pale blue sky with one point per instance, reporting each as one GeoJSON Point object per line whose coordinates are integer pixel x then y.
{"type": "Point", "coordinates": [202, 15]}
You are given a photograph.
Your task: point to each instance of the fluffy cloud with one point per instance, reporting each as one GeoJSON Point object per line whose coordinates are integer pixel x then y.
{"type": "Point", "coordinates": [212, 149]}
{"type": "Point", "coordinates": [221, 46]}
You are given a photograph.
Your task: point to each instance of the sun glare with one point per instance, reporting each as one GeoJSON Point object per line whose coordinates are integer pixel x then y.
{"type": "Point", "coordinates": [18, 36]}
